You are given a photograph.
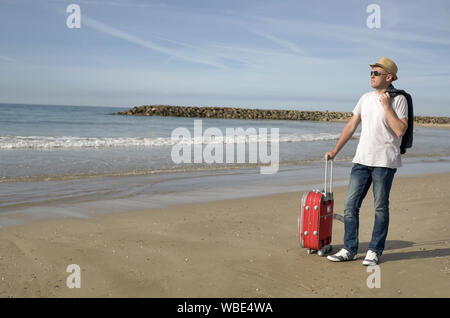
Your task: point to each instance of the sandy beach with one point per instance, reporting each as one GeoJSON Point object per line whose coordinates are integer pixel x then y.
{"type": "Point", "coordinates": [233, 248]}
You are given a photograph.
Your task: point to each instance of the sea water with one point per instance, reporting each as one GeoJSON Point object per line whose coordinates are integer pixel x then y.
{"type": "Point", "coordinates": [79, 161]}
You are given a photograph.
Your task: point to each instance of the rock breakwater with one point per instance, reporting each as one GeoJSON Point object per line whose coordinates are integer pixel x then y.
{"type": "Point", "coordinates": [235, 113]}
{"type": "Point", "coordinates": [254, 114]}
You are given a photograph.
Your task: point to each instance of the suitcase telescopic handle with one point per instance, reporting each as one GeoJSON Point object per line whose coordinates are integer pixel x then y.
{"type": "Point", "coordinates": [326, 174]}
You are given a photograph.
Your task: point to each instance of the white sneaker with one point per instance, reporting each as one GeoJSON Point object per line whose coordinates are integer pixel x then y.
{"type": "Point", "coordinates": [342, 255]}
{"type": "Point", "coordinates": [371, 258]}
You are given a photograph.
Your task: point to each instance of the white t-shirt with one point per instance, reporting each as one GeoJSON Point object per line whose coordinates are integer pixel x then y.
{"type": "Point", "coordinates": [378, 145]}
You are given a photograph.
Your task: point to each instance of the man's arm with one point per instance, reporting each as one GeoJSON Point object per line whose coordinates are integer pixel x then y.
{"type": "Point", "coordinates": [346, 134]}
{"type": "Point", "coordinates": [399, 126]}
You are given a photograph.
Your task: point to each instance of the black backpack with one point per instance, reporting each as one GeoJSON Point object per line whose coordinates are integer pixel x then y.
{"type": "Point", "coordinates": [407, 139]}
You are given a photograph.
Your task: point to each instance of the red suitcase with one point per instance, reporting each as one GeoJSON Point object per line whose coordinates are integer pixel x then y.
{"type": "Point", "coordinates": [315, 221]}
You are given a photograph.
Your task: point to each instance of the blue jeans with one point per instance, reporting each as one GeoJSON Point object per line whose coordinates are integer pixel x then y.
{"type": "Point", "coordinates": [361, 178]}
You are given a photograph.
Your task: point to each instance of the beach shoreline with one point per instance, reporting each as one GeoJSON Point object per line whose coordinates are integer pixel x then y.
{"type": "Point", "coordinates": [246, 247]}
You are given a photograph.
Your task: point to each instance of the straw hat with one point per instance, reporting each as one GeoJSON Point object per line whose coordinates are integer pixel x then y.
{"type": "Point", "coordinates": [388, 65]}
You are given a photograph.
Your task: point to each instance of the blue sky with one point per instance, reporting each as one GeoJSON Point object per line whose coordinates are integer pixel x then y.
{"type": "Point", "coordinates": [311, 55]}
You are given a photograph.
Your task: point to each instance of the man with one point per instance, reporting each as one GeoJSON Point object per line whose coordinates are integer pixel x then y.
{"type": "Point", "coordinates": [384, 122]}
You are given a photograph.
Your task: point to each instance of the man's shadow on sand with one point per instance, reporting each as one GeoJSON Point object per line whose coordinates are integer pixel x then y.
{"type": "Point", "coordinates": [398, 244]}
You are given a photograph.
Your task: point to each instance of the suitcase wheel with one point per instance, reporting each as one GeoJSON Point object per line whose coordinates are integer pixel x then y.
{"type": "Point", "coordinates": [311, 251]}
{"type": "Point", "coordinates": [324, 250]}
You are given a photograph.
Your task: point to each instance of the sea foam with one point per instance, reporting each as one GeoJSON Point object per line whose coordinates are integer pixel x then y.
{"type": "Point", "coordinates": [71, 142]}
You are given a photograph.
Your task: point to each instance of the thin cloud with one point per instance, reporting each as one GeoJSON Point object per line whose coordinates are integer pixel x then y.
{"type": "Point", "coordinates": [7, 59]}
{"type": "Point", "coordinates": [350, 33]}
{"type": "Point", "coordinates": [109, 30]}
{"type": "Point", "coordinates": [283, 43]}
{"type": "Point", "coordinates": [361, 39]}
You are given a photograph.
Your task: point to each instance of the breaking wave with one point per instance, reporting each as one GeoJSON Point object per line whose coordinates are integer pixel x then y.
{"type": "Point", "coordinates": [48, 143]}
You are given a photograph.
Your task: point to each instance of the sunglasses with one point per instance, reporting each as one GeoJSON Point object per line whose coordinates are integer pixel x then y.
{"type": "Point", "coordinates": [376, 73]}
